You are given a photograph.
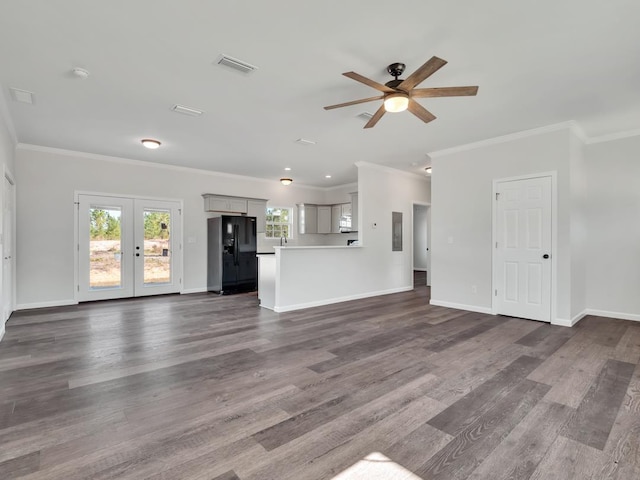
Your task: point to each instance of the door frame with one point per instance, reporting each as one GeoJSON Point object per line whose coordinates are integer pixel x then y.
{"type": "Point", "coordinates": [413, 267]}
{"type": "Point", "coordinates": [12, 180]}
{"type": "Point", "coordinates": [554, 236]}
{"type": "Point", "coordinates": [76, 233]}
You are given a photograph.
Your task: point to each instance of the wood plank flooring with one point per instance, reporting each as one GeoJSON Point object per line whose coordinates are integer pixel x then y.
{"type": "Point", "coordinates": [208, 387]}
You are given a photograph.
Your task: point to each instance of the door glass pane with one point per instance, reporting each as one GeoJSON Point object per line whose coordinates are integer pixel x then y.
{"type": "Point", "coordinates": [157, 246]}
{"type": "Point", "coordinates": [105, 247]}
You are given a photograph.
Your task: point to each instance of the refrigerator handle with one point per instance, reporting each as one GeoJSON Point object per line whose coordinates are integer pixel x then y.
{"type": "Point", "coordinates": [235, 245]}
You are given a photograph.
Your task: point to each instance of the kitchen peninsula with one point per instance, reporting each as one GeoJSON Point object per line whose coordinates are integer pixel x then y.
{"type": "Point", "coordinates": [301, 277]}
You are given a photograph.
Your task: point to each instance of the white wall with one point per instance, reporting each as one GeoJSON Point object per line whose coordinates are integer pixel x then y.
{"type": "Point", "coordinates": [47, 181]}
{"type": "Point", "coordinates": [462, 212]}
{"type": "Point", "coordinates": [420, 237]}
{"type": "Point", "coordinates": [380, 192]}
{"type": "Point", "coordinates": [578, 182]}
{"type": "Point", "coordinates": [309, 277]}
{"type": "Point", "coordinates": [613, 223]}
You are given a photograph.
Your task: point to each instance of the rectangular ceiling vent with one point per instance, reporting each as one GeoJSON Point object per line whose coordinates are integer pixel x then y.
{"type": "Point", "coordinates": [304, 141]}
{"type": "Point", "coordinates": [192, 112]}
{"type": "Point", "coordinates": [236, 64]}
{"type": "Point", "coordinates": [22, 96]}
{"type": "Point", "coordinates": [365, 116]}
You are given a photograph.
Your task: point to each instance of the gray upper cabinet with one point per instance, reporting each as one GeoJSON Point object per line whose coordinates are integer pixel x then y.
{"type": "Point", "coordinates": [336, 215]}
{"type": "Point", "coordinates": [324, 218]}
{"type": "Point", "coordinates": [252, 207]}
{"type": "Point", "coordinates": [218, 203]}
{"type": "Point", "coordinates": [307, 218]}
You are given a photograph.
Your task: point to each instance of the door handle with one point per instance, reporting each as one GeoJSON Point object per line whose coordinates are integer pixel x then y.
{"type": "Point", "coordinates": [137, 254]}
{"type": "Point", "coordinates": [545, 256]}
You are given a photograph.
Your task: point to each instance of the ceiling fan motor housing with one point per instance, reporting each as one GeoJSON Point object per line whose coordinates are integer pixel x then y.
{"type": "Point", "coordinates": [396, 69]}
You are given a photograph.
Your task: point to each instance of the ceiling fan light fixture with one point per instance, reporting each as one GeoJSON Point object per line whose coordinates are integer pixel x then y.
{"type": "Point", "coordinates": [286, 181]}
{"type": "Point", "coordinates": [396, 102]}
{"type": "Point", "coordinates": [150, 143]}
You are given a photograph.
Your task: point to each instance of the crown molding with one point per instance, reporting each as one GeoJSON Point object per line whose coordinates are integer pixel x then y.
{"type": "Point", "coordinates": [143, 163]}
{"type": "Point", "coordinates": [384, 168]}
{"type": "Point", "coordinates": [571, 125]}
{"type": "Point", "coordinates": [6, 116]}
{"type": "Point", "coordinates": [614, 136]}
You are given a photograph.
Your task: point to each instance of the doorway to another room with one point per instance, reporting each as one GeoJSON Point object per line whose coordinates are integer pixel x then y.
{"type": "Point", "coordinates": [421, 253]}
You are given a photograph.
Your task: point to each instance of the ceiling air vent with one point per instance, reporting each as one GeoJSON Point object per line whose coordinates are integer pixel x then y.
{"type": "Point", "coordinates": [365, 116]}
{"type": "Point", "coordinates": [236, 64]}
{"type": "Point", "coordinates": [22, 96]}
{"type": "Point", "coordinates": [192, 112]}
{"type": "Point", "coordinates": [304, 141]}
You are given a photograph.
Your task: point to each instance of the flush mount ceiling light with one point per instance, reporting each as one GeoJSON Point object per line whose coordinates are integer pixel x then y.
{"type": "Point", "coordinates": [428, 170]}
{"type": "Point", "coordinates": [150, 143]}
{"type": "Point", "coordinates": [396, 102]}
{"type": "Point", "coordinates": [286, 181]}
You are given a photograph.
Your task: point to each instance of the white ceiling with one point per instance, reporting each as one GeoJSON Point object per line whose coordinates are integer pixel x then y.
{"type": "Point", "coordinates": [537, 63]}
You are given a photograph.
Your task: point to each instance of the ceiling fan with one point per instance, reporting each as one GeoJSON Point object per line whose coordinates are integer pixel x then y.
{"type": "Point", "coordinates": [399, 94]}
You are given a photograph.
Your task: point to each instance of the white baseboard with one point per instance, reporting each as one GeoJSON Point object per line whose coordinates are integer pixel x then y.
{"type": "Point", "coordinates": [329, 301]}
{"type": "Point", "coordinates": [563, 322]}
{"type": "Point", "coordinates": [54, 303]}
{"type": "Point", "coordinates": [187, 291]}
{"type": "Point", "coordinates": [622, 316]}
{"type": "Point", "coordinates": [461, 306]}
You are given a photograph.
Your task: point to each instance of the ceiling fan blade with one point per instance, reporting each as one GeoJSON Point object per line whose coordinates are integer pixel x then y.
{"type": "Point", "coordinates": [430, 67]}
{"type": "Point", "coordinates": [376, 116]}
{"type": "Point", "coordinates": [444, 92]}
{"type": "Point", "coordinates": [359, 78]}
{"type": "Point", "coordinates": [419, 111]}
{"type": "Point", "coordinates": [355, 102]}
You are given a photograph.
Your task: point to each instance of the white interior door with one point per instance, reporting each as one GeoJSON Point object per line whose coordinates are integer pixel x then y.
{"type": "Point", "coordinates": [522, 261]}
{"type": "Point", "coordinates": [7, 248]}
{"type": "Point", "coordinates": [126, 247]}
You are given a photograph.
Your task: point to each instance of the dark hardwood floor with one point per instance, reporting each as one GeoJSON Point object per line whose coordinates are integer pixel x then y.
{"type": "Point", "coordinates": [208, 387]}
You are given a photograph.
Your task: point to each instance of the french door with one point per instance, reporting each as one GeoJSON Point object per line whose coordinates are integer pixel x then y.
{"type": "Point", "coordinates": [128, 247]}
{"type": "Point", "coordinates": [522, 260]}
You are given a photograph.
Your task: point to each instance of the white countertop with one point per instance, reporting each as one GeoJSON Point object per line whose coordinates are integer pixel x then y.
{"type": "Point", "coordinates": [316, 247]}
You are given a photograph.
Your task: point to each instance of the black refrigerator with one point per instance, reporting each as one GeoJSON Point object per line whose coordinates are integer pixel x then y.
{"type": "Point", "coordinates": [232, 265]}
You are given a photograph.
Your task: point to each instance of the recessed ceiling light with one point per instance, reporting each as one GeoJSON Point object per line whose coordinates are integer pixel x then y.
{"type": "Point", "coordinates": [327, 176]}
{"type": "Point", "coordinates": [286, 181]}
{"type": "Point", "coordinates": [150, 143]}
{"type": "Point", "coordinates": [288, 169]}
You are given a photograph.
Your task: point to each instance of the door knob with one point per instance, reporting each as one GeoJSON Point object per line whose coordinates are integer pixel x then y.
{"type": "Point", "coordinates": [545, 256]}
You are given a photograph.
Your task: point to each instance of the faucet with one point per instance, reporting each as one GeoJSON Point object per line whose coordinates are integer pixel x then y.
{"type": "Point", "coordinates": [283, 239]}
